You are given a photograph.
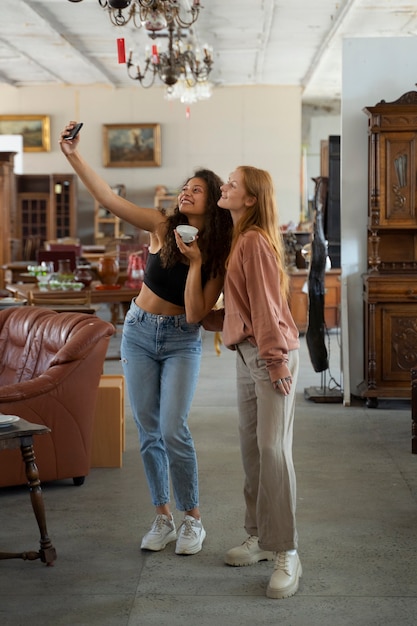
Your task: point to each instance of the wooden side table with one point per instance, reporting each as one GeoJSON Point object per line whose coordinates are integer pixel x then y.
{"type": "Point", "coordinates": [20, 435]}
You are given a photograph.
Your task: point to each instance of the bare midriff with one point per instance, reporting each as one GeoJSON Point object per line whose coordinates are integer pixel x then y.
{"type": "Point", "coordinates": [150, 302]}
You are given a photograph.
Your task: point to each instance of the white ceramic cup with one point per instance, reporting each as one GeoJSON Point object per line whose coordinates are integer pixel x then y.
{"type": "Point", "coordinates": [187, 233]}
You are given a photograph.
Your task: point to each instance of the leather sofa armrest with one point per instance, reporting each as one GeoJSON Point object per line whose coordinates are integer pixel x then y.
{"type": "Point", "coordinates": [41, 385]}
{"type": "Point", "coordinates": [80, 344]}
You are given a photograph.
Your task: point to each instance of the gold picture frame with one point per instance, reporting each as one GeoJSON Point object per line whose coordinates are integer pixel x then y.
{"type": "Point", "coordinates": [131, 145]}
{"type": "Point", "coordinates": [35, 130]}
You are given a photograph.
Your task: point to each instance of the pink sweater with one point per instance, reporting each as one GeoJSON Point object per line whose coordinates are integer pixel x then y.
{"type": "Point", "coordinates": [254, 308]}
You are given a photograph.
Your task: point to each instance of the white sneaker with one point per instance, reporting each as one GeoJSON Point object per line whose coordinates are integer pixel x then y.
{"type": "Point", "coordinates": [284, 581]}
{"type": "Point", "coordinates": [163, 531]}
{"type": "Point", "coordinates": [248, 553]}
{"type": "Point", "coordinates": [191, 536]}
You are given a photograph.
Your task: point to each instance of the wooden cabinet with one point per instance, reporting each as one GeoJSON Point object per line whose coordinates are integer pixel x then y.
{"type": "Point", "coordinates": [390, 335]}
{"type": "Point", "coordinates": [46, 209]}
{"type": "Point", "coordinates": [390, 285]}
{"type": "Point", "coordinates": [7, 207]}
{"type": "Point", "coordinates": [299, 299]}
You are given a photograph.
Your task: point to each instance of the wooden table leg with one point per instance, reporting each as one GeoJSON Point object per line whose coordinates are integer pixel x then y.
{"type": "Point", "coordinates": [47, 552]}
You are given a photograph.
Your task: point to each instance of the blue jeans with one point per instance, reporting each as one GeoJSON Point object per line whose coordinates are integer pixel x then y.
{"type": "Point", "coordinates": [161, 362]}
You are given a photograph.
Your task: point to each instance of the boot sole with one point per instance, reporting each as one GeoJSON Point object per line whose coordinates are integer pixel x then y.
{"type": "Point", "coordinates": [264, 556]}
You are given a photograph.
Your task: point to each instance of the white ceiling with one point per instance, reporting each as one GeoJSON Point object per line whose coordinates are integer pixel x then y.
{"type": "Point", "coordinates": [285, 42]}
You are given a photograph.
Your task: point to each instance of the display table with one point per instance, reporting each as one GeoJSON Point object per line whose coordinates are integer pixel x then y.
{"type": "Point", "coordinates": [20, 435]}
{"type": "Point", "coordinates": [122, 295]}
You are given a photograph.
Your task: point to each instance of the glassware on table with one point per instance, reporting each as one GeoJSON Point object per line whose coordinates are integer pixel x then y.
{"type": "Point", "coordinates": [65, 273]}
{"type": "Point", "coordinates": [83, 275]}
{"type": "Point", "coordinates": [43, 272]}
{"type": "Point", "coordinates": [135, 271]}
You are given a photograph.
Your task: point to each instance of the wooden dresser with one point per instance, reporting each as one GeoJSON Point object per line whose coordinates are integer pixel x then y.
{"type": "Point", "coordinates": [390, 284]}
{"type": "Point", "coordinates": [299, 298]}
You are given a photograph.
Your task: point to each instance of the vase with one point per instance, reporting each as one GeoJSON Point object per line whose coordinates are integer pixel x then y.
{"type": "Point", "coordinates": [83, 275]}
{"type": "Point", "coordinates": [135, 271]}
{"type": "Point", "coordinates": [65, 272]}
{"type": "Point", "coordinates": [108, 270]}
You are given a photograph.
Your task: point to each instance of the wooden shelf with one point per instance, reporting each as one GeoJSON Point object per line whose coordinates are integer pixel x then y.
{"type": "Point", "coordinates": [106, 225]}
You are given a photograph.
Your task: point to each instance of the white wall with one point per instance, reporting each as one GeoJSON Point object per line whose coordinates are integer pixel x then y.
{"type": "Point", "coordinates": [373, 70]}
{"type": "Point", "coordinates": [258, 126]}
{"type": "Point", "coordinates": [318, 123]}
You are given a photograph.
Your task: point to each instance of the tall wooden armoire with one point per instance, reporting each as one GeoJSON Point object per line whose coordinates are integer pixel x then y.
{"type": "Point", "coordinates": [390, 284]}
{"type": "Point", "coordinates": [7, 208]}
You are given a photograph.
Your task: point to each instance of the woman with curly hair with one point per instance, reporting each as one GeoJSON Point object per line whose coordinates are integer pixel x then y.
{"type": "Point", "coordinates": [161, 343]}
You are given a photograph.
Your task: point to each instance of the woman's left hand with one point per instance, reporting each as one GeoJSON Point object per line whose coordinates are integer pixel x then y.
{"type": "Point", "coordinates": [283, 385]}
{"type": "Point", "coordinates": [190, 250]}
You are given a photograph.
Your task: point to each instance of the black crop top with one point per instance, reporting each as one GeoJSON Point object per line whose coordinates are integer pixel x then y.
{"type": "Point", "coordinates": [167, 282]}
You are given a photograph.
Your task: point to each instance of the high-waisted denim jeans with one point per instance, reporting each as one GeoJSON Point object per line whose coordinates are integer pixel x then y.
{"type": "Point", "coordinates": [161, 362]}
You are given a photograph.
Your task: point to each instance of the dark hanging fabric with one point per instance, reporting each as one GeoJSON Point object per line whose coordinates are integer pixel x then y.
{"type": "Point", "coordinates": [315, 335]}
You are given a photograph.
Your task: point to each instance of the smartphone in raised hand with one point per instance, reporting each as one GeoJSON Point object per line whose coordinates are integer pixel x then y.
{"type": "Point", "coordinates": [74, 132]}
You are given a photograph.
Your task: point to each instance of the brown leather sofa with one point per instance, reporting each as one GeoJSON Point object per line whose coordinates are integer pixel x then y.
{"type": "Point", "coordinates": [50, 368]}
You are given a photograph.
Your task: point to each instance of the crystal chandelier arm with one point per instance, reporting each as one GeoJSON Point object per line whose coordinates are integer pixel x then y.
{"type": "Point", "coordinates": [149, 72]}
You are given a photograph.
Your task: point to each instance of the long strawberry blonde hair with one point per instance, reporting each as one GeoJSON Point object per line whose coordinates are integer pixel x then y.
{"type": "Point", "coordinates": [263, 217]}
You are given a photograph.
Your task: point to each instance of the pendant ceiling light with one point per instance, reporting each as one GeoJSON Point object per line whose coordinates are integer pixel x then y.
{"type": "Point", "coordinates": [154, 15]}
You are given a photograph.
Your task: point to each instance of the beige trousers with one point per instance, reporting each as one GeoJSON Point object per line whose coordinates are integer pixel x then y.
{"type": "Point", "coordinates": [266, 419]}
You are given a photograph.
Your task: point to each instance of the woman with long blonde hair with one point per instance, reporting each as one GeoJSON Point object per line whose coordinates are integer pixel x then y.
{"type": "Point", "coordinates": [259, 326]}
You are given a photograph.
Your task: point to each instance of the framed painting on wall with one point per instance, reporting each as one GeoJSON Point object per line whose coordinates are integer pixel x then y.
{"type": "Point", "coordinates": [131, 145]}
{"type": "Point", "coordinates": [35, 130]}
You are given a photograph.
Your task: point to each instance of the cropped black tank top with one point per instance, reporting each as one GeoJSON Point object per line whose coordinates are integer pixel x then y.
{"type": "Point", "coordinates": [166, 282]}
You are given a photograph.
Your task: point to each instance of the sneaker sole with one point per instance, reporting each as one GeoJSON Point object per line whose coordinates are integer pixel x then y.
{"type": "Point", "coordinates": [193, 550]}
{"type": "Point", "coordinates": [156, 548]}
{"type": "Point", "coordinates": [281, 594]}
{"type": "Point", "coordinates": [263, 556]}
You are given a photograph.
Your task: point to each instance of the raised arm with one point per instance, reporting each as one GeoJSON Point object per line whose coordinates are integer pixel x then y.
{"type": "Point", "coordinates": [199, 301]}
{"type": "Point", "coordinates": [141, 217]}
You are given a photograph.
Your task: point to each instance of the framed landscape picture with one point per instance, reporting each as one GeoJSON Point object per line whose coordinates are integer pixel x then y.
{"type": "Point", "coordinates": [131, 145]}
{"type": "Point", "coordinates": [35, 130]}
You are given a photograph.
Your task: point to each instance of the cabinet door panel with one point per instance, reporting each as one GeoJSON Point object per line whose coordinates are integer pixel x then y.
{"type": "Point", "coordinates": [398, 163]}
{"type": "Point", "coordinates": [398, 323]}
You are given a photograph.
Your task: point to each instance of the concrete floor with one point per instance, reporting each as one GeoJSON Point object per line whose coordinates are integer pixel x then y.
{"type": "Point", "coordinates": [357, 520]}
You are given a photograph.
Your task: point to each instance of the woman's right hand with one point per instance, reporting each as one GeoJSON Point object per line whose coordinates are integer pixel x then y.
{"type": "Point", "coordinates": [68, 146]}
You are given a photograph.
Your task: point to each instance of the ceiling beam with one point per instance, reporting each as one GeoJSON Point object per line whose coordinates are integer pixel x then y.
{"type": "Point", "coordinates": [55, 27]}
{"type": "Point", "coordinates": [326, 41]}
{"type": "Point", "coordinates": [266, 30]}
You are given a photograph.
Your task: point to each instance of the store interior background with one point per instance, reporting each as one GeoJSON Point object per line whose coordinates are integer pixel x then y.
{"type": "Point", "coordinates": [265, 126]}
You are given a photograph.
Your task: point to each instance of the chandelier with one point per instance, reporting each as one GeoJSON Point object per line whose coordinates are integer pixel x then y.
{"type": "Point", "coordinates": [188, 93]}
{"type": "Point", "coordinates": [154, 15]}
{"type": "Point", "coordinates": [180, 61]}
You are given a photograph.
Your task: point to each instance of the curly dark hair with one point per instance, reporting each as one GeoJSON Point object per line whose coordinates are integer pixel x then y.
{"type": "Point", "coordinates": [214, 239]}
